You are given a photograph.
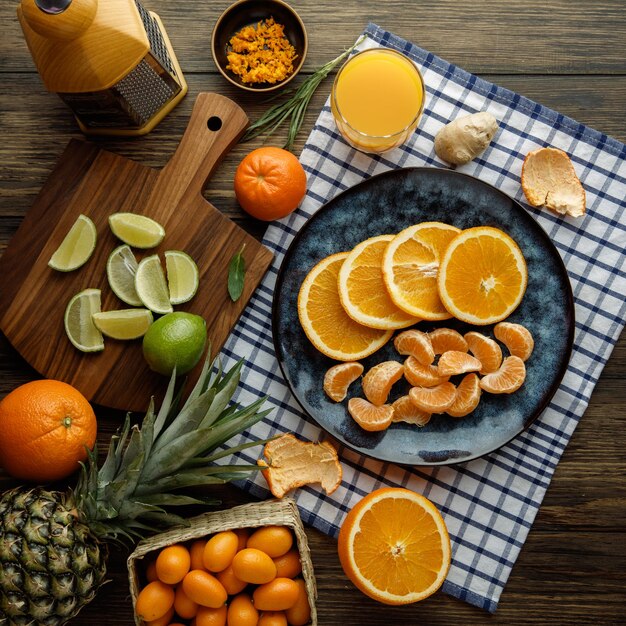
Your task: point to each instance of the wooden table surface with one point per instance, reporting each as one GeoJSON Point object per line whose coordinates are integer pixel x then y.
{"type": "Point", "coordinates": [567, 54]}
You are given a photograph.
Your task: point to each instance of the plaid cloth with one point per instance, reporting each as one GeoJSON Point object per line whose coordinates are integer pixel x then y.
{"type": "Point", "coordinates": [489, 504]}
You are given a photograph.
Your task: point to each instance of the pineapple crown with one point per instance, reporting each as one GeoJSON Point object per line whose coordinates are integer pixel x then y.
{"type": "Point", "coordinates": [174, 449]}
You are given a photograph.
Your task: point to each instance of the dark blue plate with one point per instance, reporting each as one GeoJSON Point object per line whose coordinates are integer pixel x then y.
{"type": "Point", "coordinates": [385, 204]}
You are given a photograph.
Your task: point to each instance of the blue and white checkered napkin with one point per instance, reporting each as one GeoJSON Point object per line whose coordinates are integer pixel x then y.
{"type": "Point", "coordinates": [489, 504]}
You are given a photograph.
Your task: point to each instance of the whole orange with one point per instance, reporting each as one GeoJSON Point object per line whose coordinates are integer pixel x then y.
{"type": "Point", "coordinates": [46, 427]}
{"type": "Point", "coordinates": [270, 183]}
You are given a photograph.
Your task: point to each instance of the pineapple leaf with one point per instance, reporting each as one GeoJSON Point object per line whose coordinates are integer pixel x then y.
{"type": "Point", "coordinates": [146, 435]}
{"type": "Point", "coordinates": [223, 431]}
{"type": "Point", "coordinates": [166, 519]}
{"type": "Point", "coordinates": [223, 396]}
{"type": "Point", "coordinates": [190, 478]}
{"type": "Point", "coordinates": [161, 417]}
{"type": "Point", "coordinates": [108, 469]}
{"type": "Point", "coordinates": [244, 446]}
{"type": "Point", "coordinates": [202, 383]}
{"type": "Point", "coordinates": [170, 499]}
{"type": "Point", "coordinates": [133, 510]}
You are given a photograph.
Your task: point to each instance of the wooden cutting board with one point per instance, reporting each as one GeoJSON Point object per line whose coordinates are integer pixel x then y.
{"type": "Point", "coordinates": [98, 183]}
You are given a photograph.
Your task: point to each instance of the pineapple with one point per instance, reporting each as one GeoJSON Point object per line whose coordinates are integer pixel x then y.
{"type": "Point", "coordinates": [53, 545]}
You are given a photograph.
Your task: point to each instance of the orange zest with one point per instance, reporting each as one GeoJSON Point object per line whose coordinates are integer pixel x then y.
{"type": "Point", "coordinates": [378, 381]}
{"type": "Point", "coordinates": [507, 379]}
{"type": "Point", "coordinates": [486, 350]}
{"type": "Point", "coordinates": [433, 399]}
{"type": "Point", "coordinates": [453, 362]}
{"type": "Point", "coordinates": [415, 343]}
{"type": "Point", "coordinates": [517, 339]}
{"type": "Point", "coordinates": [467, 396]}
{"type": "Point", "coordinates": [339, 377]}
{"type": "Point", "coordinates": [420, 375]}
{"type": "Point", "coordinates": [369, 416]}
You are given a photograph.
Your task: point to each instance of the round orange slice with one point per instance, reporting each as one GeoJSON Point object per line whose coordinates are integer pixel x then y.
{"type": "Point", "coordinates": [452, 363]}
{"type": "Point", "coordinates": [486, 350]}
{"type": "Point", "coordinates": [433, 399]}
{"type": "Point", "coordinates": [517, 339]}
{"type": "Point", "coordinates": [410, 266]}
{"type": "Point", "coordinates": [394, 546]}
{"type": "Point", "coordinates": [444, 339]}
{"type": "Point", "coordinates": [329, 328]}
{"type": "Point", "coordinates": [467, 397]}
{"type": "Point", "coordinates": [482, 277]}
{"type": "Point", "coordinates": [420, 375]}
{"type": "Point", "coordinates": [415, 343]}
{"type": "Point", "coordinates": [339, 377]}
{"type": "Point", "coordinates": [405, 411]}
{"type": "Point", "coordinates": [507, 379]}
{"type": "Point", "coordinates": [369, 416]}
{"type": "Point", "coordinates": [362, 288]}
{"type": "Point", "coordinates": [378, 381]}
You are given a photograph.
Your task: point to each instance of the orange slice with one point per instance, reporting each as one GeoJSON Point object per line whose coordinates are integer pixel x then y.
{"type": "Point", "coordinates": [369, 416]}
{"type": "Point", "coordinates": [405, 411]}
{"type": "Point", "coordinates": [486, 350]}
{"type": "Point", "coordinates": [410, 267]}
{"type": "Point", "coordinates": [433, 399]}
{"type": "Point", "coordinates": [329, 328]}
{"type": "Point", "coordinates": [420, 375]}
{"type": "Point", "coordinates": [292, 463]}
{"type": "Point", "coordinates": [339, 377]}
{"type": "Point", "coordinates": [483, 276]}
{"type": "Point", "coordinates": [378, 381]}
{"type": "Point", "coordinates": [517, 339]}
{"type": "Point", "coordinates": [415, 343]}
{"type": "Point", "coordinates": [362, 289]}
{"type": "Point", "coordinates": [394, 546]}
{"type": "Point", "coordinates": [509, 378]}
{"type": "Point", "coordinates": [444, 339]}
{"type": "Point", "coordinates": [467, 397]}
{"type": "Point", "coordinates": [452, 363]}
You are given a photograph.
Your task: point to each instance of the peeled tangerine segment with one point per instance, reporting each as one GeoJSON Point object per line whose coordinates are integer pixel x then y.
{"type": "Point", "coordinates": [415, 343]}
{"type": "Point", "coordinates": [509, 378]}
{"type": "Point", "coordinates": [291, 463]}
{"type": "Point", "coordinates": [486, 350]}
{"type": "Point", "coordinates": [467, 397]}
{"type": "Point", "coordinates": [420, 375]}
{"type": "Point", "coordinates": [453, 362]}
{"type": "Point", "coordinates": [339, 377]}
{"type": "Point", "coordinates": [433, 399]}
{"type": "Point", "coordinates": [517, 339]}
{"type": "Point", "coordinates": [369, 416]}
{"type": "Point", "coordinates": [444, 339]}
{"type": "Point", "coordinates": [405, 411]}
{"type": "Point", "coordinates": [378, 381]}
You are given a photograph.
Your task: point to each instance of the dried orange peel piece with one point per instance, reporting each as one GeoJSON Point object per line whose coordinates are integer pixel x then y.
{"type": "Point", "coordinates": [293, 463]}
{"type": "Point", "coordinates": [549, 179]}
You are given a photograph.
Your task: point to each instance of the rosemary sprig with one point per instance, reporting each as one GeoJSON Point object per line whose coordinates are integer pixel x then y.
{"type": "Point", "coordinates": [294, 108]}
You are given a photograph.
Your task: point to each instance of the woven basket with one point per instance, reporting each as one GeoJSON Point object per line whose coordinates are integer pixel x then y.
{"type": "Point", "coordinates": [269, 513]}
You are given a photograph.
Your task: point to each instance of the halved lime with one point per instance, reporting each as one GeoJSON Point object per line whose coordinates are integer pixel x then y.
{"type": "Point", "coordinates": [151, 286]}
{"type": "Point", "coordinates": [121, 270]}
{"type": "Point", "coordinates": [138, 231]}
{"type": "Point", "coordinates": [182, 276]}
{"type": "Point", "coordinates": [77, 246]}
{"type": "Point", "coordinates": [123, 324]}
{"type": "Point", "coordinates": [79, 326]}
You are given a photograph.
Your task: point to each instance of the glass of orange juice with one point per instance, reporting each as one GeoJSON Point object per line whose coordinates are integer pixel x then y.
{"type": "Point", "coordinates": [377, 99]}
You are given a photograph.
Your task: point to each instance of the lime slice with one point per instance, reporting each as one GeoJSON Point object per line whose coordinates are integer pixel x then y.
{"type": "Point", "coordinates": [138, 231]}
{"type": "Point", "coordinates": [79, 325]}
{"type": "Point", "coordinates": [121, 270]}
{"type": "Point", "coordinates": [123, 324]}
{"type": "Point", "coordinates": [182, 276]}
{"type": "Point", "coordinates": [151, 286]}
{"type": "Point", "coordinates": [77, 247]}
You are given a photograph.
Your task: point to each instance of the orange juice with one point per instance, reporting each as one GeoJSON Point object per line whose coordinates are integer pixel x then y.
{"type": "Point", "coordinates": [377, 99]}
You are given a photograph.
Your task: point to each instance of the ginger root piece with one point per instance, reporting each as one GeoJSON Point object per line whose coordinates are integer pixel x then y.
{"type": "Point", "coordinates": [292, 463]}
{"type": "Point", "coordinates": [465, 138]}
{"type": "Point", "coordinates": [549, 179]}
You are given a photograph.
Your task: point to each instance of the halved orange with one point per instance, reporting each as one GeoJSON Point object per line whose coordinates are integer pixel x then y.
{"type": "Point", "coordinates": [415, 343]}
{"type": "Point", "coordinates": [453, 362]}
{"type": "Point", "coordinates": [405, 411]}
{"type": "Point", "coordinates": [339, 377]}
{"type": "Point", "coordinates": [516, 338]}
{"type": "Point", "coordinates": [420, 375]}
{"type": "Point", "coordinates": [433, 399]}
{"type": "Point", "coordinates": [329, 328]}
{"type": "Point", "coordinates": [378, 381]}
{"type": "Point", "coordinates": [362, 289]}
{"type": "Point", "coordinates": [467, 396]}
{"type": "Point", "coordinates": [444, 339]}
{"type": "Point", "coordinates": [369, 416]}
{"type": "Point", "coordinates": [509, 378]}
{"type": "Point", "coordinates": [410, 267]}
{"type": "Point", "coordinates": [482, 277]}
{"type": "Point", "coordinates": [394, 546]}
{"type": "Point", "coordinates": [486, 350]}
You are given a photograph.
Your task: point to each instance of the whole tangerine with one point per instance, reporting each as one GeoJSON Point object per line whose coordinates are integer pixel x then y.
{"type": "Point", "coordinates": [46, 428]}
{"type": "Point", "coordinates": [270, 183]}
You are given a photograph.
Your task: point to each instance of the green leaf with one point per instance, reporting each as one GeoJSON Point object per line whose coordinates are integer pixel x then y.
{"type": "Point", "coordinates": [191, 478]}
{"type": "Point", "coordinates": [170, 499]}
{"type": "Point", "coordinates": [236, 275]}
{"type": "Point", "coordinates": [161, 417]}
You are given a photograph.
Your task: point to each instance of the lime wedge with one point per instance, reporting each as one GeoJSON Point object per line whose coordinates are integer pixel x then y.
{"type": "Point", "coordinates": [138, 231]}
{"type": "Point", "coordinates": [77, 247]}
{"type": "Point", "coordinates": [151, 286]}
{"type": "Point", "coordinates": [182, 276]}
{"type": "Point", "coordinates": [79, 325]}
{"type": "Point", "coordinates": [123, 324]}
{"type": "Point", "coordinates": [121, 270]}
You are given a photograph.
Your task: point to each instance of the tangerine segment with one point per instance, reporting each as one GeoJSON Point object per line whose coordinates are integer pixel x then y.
{"type": "Point", "coordinates": [420, 375]}
{"type": "Point", "coordinates": [483, 276]}
{"type": "Point", "coordinates": [405, 411]}
{"type": "Point", "coordinates": [362, 289]}
{"type": "Point", "coordinates": [339, 377]}
{"type": "Point", "coordinates": [453, 362]}
{"type": "Point", "coordinates": [509, 378]}
{"type": "Point", "coordinates": [378, 381]}
{"type": "Point", "coordinates": [486, 350]}
{"type": "Point", "coordinates": [433, 399]}
{"type": "Point", "coordinates": [444, 339]}
{"type": "Point", "coordinates": [329, 328]}
{"type": "Point", "coordinates": [417, 344]}
{"type": "Point", "coordinates": [394, 546]}
{"type": "Point", "coordinates": [467, 397]}
{"type": "Point", "coordinates": [369, 416]}
{"type": "Point", "coordinates": [516, 338]}
{"type": "Point", "coordinates": [410, 267]}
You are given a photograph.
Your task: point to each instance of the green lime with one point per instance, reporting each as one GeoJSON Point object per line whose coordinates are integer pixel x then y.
{"type": "Point", "coordinates": [124, 323]}
{"type": "Point", "coordinates": [121, 270]}
{"type": "Point", "coordinates": [137, 231]}
{"type": "Point", "coordinates": [182, 276]}
{"type": "Point", "coordinates": [175, 340]}
{"type": "Point", "coordinates": [79, 325]}
{"type": "Point", "coordinates": [77, 246]}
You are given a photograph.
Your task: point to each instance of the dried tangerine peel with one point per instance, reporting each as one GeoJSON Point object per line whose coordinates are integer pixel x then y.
{"type": "Point", "coordinates": [369, 416]}
{"type": "Point", "coordinates": [549, 179]}
{"type": "Point", "coordinates": [379, 379]}
{"type": "Point", "coordinates": [338, 379]}
{"type": "Point", "coordinates": [293, 463]}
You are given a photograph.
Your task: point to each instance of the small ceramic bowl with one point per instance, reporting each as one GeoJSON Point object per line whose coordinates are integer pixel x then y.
{"type": "Point", "coordinates": [250, 12]}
